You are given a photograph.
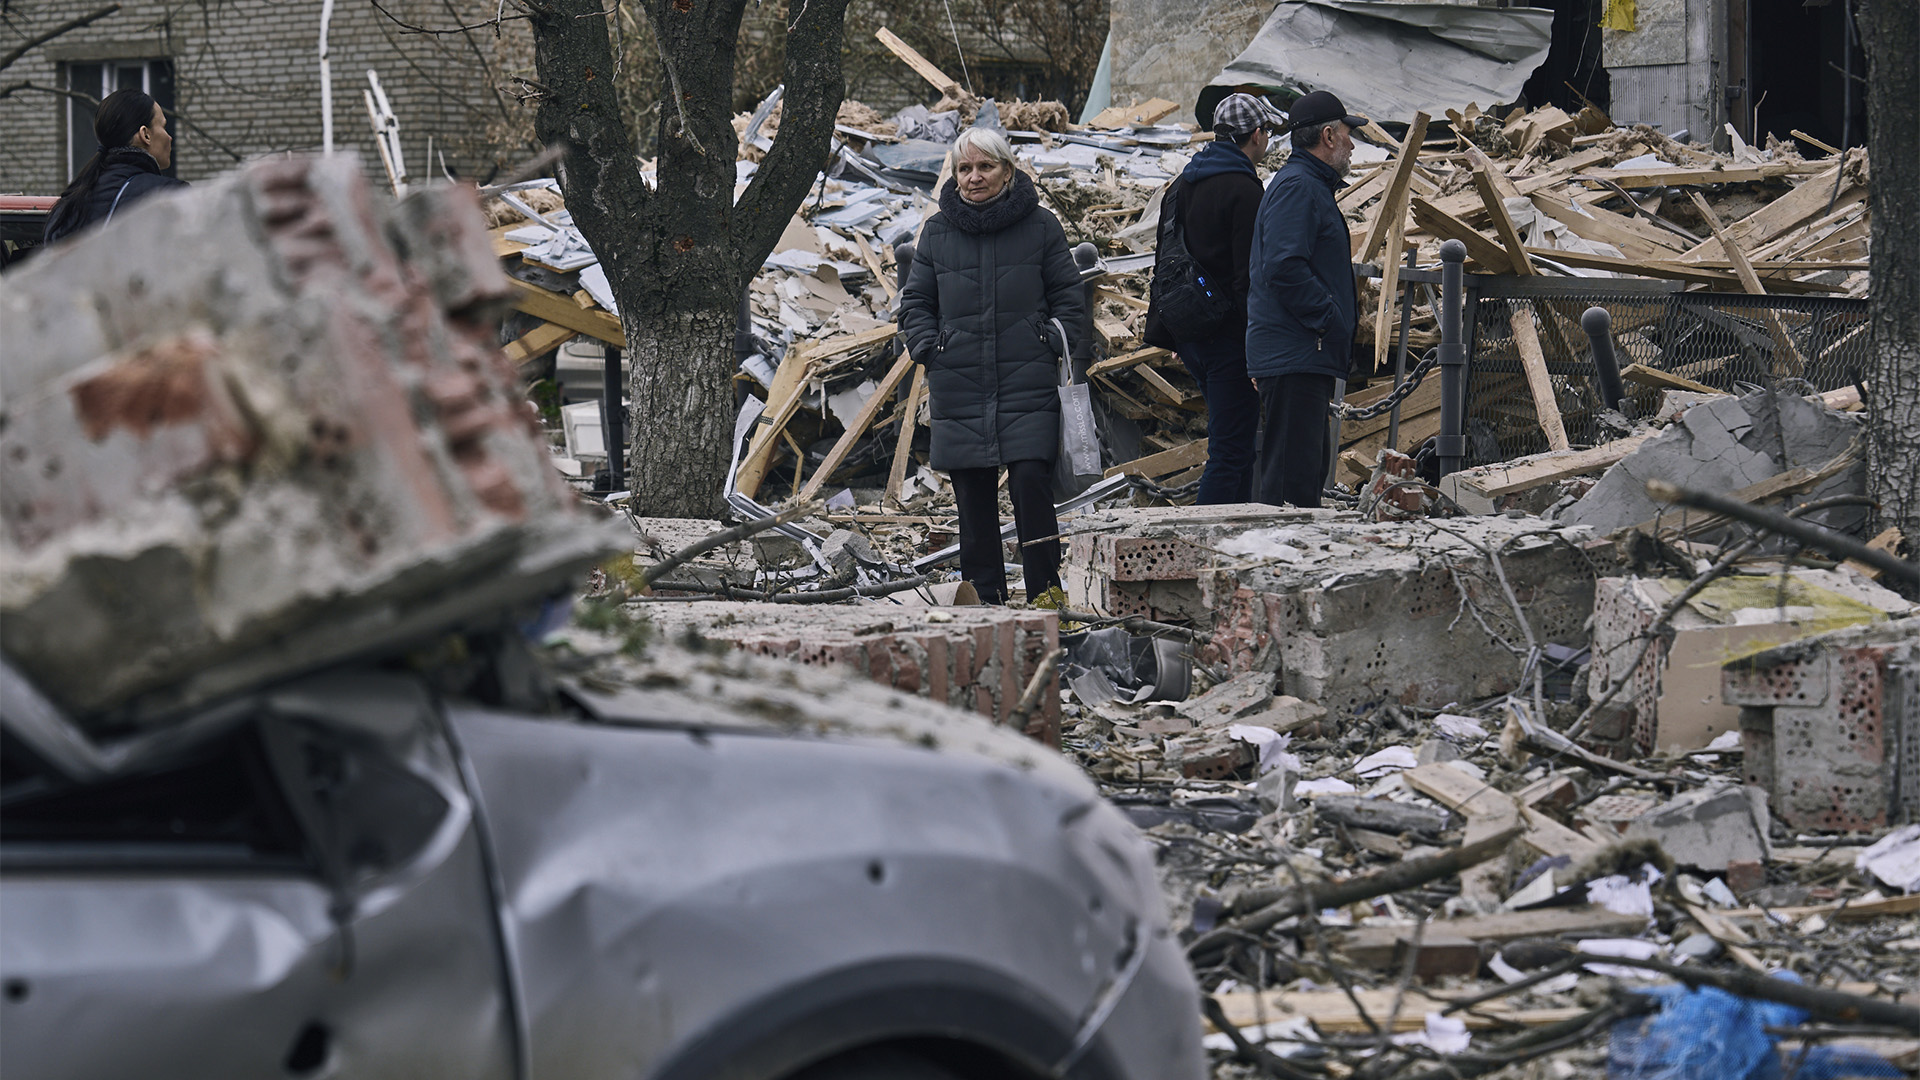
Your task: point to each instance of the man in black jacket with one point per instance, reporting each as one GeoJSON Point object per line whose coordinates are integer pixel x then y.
{"type": "Point", "coordinates": [1218, 198]}
{"type": "Point", "coordinates": [1301, 311]}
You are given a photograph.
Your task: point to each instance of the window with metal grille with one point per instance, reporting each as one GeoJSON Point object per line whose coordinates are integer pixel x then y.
{"type": "Point", "coordinates": [98, 78]}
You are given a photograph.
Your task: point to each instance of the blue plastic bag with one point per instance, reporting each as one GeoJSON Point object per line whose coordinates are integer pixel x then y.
{"type": "Point", "coordinates": [1709, 1034]}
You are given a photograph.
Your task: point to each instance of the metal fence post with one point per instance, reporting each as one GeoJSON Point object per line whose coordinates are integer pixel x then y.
{"type": "Point", "coordinates": [1452, 442]}
{"type": "Point", "coordinates": [1599, 327]}
{"type": "Point", "coordinates": [613, 418]}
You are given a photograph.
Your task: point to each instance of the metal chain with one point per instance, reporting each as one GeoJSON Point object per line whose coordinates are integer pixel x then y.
{"type": "Point", "coordinates": [1379, 408]}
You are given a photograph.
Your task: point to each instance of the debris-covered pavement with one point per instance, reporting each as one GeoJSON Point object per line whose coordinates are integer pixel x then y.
{"type": "Point", "coordinates": [1578, 738]}
{"type": "Point", "coordinates": [1449, 781]}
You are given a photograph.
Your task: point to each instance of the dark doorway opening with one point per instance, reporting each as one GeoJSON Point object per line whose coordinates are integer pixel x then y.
{"type": "Point", "coordinates": [1572, 75]}
{"type": "Point", "coordinates": [1805, 69]}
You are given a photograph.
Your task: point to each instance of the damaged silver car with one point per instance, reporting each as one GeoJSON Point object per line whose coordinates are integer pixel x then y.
{"type": "Point", "coordinates": [719, 867]}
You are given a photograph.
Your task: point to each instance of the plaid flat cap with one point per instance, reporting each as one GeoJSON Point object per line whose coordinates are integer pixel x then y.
{"type": "Point", "coordinates": [1239, 114]}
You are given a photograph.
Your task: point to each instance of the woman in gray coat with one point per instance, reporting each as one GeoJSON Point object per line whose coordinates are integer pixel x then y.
{"type": "Point", "coordinates": [991, 272]}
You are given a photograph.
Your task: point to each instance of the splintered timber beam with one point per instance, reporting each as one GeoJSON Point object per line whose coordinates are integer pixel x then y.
{"type": "Point", "coordinates": [920, 64]}
{"type": "Point", "coordinates": [1787, 360]}
{"type": "Point", "coordinates": [783, 398]}
{"type": "Point", "coordinates": [1393, 207]}
{"type": "Point", "coordinates": [858, 427]}
{"type": "Point", "coordinates": [1526, 341]}
{"type": "Point", "coordinates": [903, 447]}
{"type": "Point", "coordinates": [538, 342]}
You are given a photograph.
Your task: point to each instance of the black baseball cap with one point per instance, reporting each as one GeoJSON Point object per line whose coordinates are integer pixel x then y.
{"type": "Point", "coordinates": [1320, 107]}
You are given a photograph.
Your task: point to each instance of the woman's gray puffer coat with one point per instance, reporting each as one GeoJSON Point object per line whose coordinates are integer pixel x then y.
{"type": "Point", "coordinates": [975, 310]}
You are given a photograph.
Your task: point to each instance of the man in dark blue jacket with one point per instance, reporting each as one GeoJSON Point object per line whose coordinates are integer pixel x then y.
{"type": "Point", "coordinates": [1300, 301]}
{"type": "Point", "coordinates": [1218, 197]}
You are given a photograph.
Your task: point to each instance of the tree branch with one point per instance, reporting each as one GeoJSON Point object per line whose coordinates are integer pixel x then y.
{"type": "Point", "coordinates": [38, 40]}
{"type": "Point", "coordinates": [815, 86]}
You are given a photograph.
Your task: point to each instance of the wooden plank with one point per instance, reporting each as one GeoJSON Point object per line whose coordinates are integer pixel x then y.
{"type": "Point", "coordinates": [873, 264]}
{"type": "Point", "coordinates": [1389, 290]}
{"type": "Point", "coordinates": [903, 445]}
{"type": "Point", "coordinates": [921, 66]}
{"type": "Point", "coordinates": [861, 422]}
{"type": "Point", "coordinates": [1888, 541]}
{"type": "Point", "coordinates": [1870, 909]}
{"type": "Point", "coordinates": [1489, 812]}
{"type": "Point", "coordinates": [538, 342]}
{"type": "Point", "coordinates": [1174, 395]}
{"type": "Point", "coordinates": [818, 351]}
{"type": "Point", "coordinates": [1672, 271]}
{"type": "Point", "coordinates": [1376, 947]}
{"type": "Point", "coordinates": [1526, 341]}
{"type": "Point", "coordinates": [1635, 241]}
{"type": "Point", "coordinates": [1664, 380]}
{"type": "Point", "coordinates": [1334, 1013]}
{"type": "Point", "coordinates": [1779, 216]}
{"type": "Point", "coordinates": [1787, 361]}
{"type": "Point", "coordinates": [783, 398]}
{"type": "Point", "coordinates": [561, 310]}
{"type": "Point", "coordinates": [1678, 177]}
{"type": "Point", "coordinates": [1164, 462]}
{"type": "Point", "coordinates": [1529, 473]}
{"type": "Point", "coordinates": [1490, 197]}
{"type": "Point", "coordinates": [1360, 191]}
{"type": "Point", "coordinates": [1437, 222]}
{"type": "Point", "coordinates": [1106, 292]}
{"type": "Point", "coordinates": [1132, 359]}
{"type": "Point", "coordinates": [1394, 204]}
{"type": "Point", "coordinates": [1727, 934]}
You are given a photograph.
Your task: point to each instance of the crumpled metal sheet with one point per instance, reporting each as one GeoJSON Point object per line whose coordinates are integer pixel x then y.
{"type": "Point", "coordinates": [1388, 61]}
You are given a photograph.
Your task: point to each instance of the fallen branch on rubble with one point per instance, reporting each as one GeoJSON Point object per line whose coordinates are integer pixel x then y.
{"type": "Point", "coordinates": [1404, 875]}
{"type": "Point", "coordinates": [722, 538]}
{"type": "Point", "coordinates": [1030, 697]}
{"type": "Point", "coordinates": [1793, 529]}
{"type": "Point", "coordinates": [1272, 1063]}
{"type": "Point", "coordinates": [1836, 1006]}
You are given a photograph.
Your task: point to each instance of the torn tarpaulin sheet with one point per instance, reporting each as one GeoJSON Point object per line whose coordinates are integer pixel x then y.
{"type": "Point", "coordinates": [1441, 55]}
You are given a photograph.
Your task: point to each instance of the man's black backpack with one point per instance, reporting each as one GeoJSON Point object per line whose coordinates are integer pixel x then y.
{"type": "Point", "coordinates": [1188, 303]}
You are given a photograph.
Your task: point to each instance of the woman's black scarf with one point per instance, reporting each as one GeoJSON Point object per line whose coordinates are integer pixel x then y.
{"type": "Point", "coordinates": [1021, 200]}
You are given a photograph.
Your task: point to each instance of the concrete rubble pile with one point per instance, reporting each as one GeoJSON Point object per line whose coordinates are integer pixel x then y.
{"type": "Point", "coordinates": [294, 443]}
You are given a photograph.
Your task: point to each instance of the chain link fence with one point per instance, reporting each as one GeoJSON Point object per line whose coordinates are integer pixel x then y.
{"type": "Point", "coordinates": [1719, 340]}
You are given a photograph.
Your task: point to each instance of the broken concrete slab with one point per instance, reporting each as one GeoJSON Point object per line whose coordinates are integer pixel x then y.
{"type": "Point", "coordinates": [1673, 697]}
{"type": "Point", "coordinates": [1242, 695]}
{"type": "Point", "coordinates": [283, 436]}
{"type": "Point", "coordinates": [1709, 827]}
{"type": "Point", "coordinates": [976, 658]}
{"type": "Point", "coordinates": [1350, 613]}
{"type": "Point", "coordinates": [1830, 726]}
{"type": "Point", "coordinates": [1725, 444]}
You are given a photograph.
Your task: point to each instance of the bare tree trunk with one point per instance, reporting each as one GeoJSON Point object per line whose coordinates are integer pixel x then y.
{"type": "Point", "coordinates": [678, 257]}
{"type": "Point", "coordinates": [1890, 31]}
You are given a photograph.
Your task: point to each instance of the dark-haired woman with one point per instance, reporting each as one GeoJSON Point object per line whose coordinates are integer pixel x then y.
{"type": "Point", "coordinates": [134, 150]}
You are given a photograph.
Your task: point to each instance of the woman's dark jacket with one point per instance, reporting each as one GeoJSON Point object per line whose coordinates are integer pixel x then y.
{"type": "Point", "coordinates": [984, 282]}
{"type": "Point", "coordinates": [130, 175]}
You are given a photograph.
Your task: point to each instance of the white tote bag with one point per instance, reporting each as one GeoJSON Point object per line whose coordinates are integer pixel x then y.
{"type": "Point", "coordinates": [1079, 444]}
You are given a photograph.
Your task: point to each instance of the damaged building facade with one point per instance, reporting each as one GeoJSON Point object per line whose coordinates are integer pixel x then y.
{"type": "Point", "coordinates": [244, 78]}
{"type": "Point", "coordinates": [1692, 66]}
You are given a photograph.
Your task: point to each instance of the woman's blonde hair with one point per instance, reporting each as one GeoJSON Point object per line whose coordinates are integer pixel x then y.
{"type": "Point", "coordinates": [986, 140]}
